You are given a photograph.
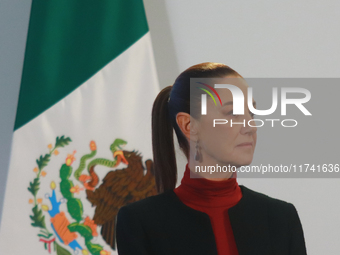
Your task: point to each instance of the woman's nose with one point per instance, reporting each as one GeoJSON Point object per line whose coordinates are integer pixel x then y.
{"type": "Point", "coordinates": [250, 126]}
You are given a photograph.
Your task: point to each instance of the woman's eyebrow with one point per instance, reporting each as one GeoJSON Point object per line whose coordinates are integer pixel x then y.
{"type": "Point", "coordinates": [228, 103]}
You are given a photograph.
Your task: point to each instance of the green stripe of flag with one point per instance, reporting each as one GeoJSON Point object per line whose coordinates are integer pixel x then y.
{"type": "Point", "coordinates": [69, 41]}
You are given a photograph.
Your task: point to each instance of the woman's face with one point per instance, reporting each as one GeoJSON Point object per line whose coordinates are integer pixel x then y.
{"type": "Point", "coordinates": [221, 144]}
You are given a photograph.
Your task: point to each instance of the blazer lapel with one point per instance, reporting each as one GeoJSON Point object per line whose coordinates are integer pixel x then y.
{"type": "Point", "coordinates": [249, 221]}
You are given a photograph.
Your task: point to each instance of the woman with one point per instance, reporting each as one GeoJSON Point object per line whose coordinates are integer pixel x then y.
{"type": "Point", "coordinates": [206, 214]}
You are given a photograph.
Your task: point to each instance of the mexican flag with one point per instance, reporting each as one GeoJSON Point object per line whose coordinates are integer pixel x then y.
{"type": "Point", "coordinates": [82, 137]}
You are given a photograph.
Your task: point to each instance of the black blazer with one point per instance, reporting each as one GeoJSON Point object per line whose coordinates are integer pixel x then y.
{"type": "Point", "coordinates": [164, 225]}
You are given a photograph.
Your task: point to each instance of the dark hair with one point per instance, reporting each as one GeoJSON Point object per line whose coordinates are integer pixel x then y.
{"type": "Point", "coordinates": [164, 120]}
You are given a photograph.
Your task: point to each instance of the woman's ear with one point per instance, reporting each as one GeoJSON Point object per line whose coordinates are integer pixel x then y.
{"type": "Point", "coordinates": [188, 125]}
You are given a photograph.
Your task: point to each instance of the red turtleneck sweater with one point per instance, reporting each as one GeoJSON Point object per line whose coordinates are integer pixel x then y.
{"type": "Point", "coordinates": [212, 198]}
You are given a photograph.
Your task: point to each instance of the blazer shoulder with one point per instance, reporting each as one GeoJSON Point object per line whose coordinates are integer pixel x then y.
{"type": "Point", "coordinates": [277, 210]}
{"type": "Point", "coordinates": [276, 218]}
{"type": "Point", "coordinates": [271, 202]}
{"type": "Point", "coordinates": [147, 205]}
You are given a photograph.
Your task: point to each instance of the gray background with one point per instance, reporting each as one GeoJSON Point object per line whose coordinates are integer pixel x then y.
{"type": "Point", "coordinates": [260, 39]}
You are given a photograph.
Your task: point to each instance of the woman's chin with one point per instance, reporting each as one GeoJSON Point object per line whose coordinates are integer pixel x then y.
{"type": "Point", "coordinates": [244, 162]}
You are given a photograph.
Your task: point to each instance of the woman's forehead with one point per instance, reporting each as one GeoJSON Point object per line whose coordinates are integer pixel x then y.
{"type": "Point", "coordinates": [227, 96]}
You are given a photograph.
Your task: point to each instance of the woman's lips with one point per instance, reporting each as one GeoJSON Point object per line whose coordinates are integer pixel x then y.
{"type": "Point", "coordinates": [245, 144]}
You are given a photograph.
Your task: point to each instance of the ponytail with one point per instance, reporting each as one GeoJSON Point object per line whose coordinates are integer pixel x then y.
{"type": "Point", "coordinates": [165, 166]}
